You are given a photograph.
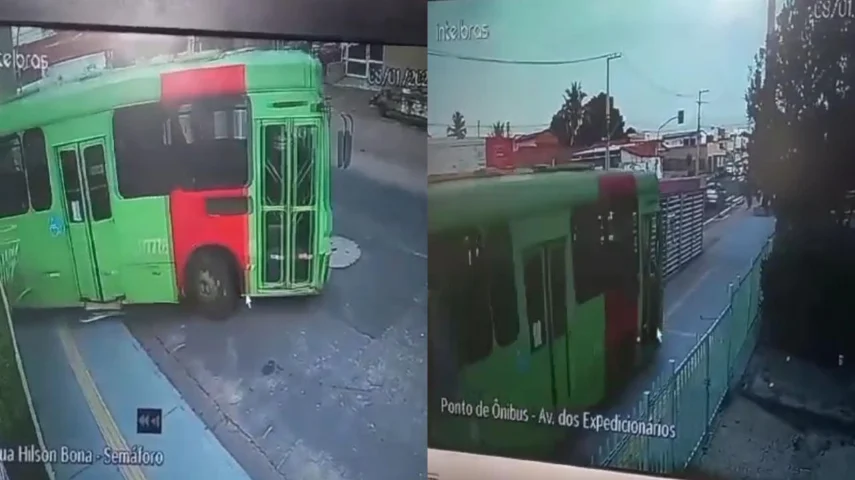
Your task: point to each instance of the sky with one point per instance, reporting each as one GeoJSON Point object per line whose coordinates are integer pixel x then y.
{"type": "Point", "coordinates": [670, 49]}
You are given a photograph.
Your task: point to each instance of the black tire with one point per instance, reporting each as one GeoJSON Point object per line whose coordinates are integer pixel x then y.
{"type": "Point", "coordinates": [211, 285]}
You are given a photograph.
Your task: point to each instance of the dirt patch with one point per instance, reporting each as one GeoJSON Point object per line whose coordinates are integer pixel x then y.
{"type": "Point", "coordinates": [789, 419]}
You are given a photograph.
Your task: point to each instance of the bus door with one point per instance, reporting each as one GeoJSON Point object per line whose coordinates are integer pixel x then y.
{"type": "Point", "coordinates": [292, 182]}
{"type": "Point", "coordinates": [545, 270]}
{"type": "Point", "coordinates": [89, 217]}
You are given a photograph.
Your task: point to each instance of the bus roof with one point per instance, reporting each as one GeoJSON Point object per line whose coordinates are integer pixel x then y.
{"type": "Point", "coordinates": [474, 200]}
{"type": "Point", "coordinates": [262, 70]}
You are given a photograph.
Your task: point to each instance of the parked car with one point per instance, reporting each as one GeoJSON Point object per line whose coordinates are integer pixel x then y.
{"type": "Point", "coordinates": [715, 194]}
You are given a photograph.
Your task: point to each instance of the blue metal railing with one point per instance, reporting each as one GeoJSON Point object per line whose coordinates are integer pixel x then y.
{"type": "Point", "coordinates": [690, 395]}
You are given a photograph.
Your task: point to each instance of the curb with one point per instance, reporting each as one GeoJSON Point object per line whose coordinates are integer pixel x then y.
{"type": "Point", "coordinates": [722, 214]}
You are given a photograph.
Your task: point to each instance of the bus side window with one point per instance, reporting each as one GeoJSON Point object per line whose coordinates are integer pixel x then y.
{"type": "Point", "coordinates": [13, 185]}
{"type": "Point", "coordinates": [535, 297]}
{"type": "Point", "coordinates": [499, 274]}
{"type": "Point", "coordinates": [99, 191]}
{"type": "Point", "coordinates": [188, 146]}
{"type": "Point", "coordinates": [464, 312]}
{"type": "Point", "coordinates": [556, 260]}
{"type": "Point", "coordinates": [622, 242]}
{"type": "Point", "coordinates": [142, 143]}
{"type": "Point", "coordinates": [588, 251]}
{"type": "Point", "coordinates": [36, 166]}
{"type": "Point", "coordinates": [545, 273]}
{"type": "Point", "coordinates": [305, 136]}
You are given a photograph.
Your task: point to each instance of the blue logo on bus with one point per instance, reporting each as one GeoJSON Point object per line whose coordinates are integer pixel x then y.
{"type": "Point", "coordinates": [55, 226]}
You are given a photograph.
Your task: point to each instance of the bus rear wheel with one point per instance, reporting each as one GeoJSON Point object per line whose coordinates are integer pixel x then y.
{"type": "Point", "coordinates": [212, 287]}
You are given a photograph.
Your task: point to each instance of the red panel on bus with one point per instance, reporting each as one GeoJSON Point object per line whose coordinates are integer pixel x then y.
{"type": "Point", "coordinates": [615, 185]}
{"type": "Point", "coordinates": [621, 333]}
{"type": "Point", "coordinates": [194, 225]}
{"type": "Point", "coordinates": [202, 82]}
{"type": "Point", "coordinates": [621, 300]}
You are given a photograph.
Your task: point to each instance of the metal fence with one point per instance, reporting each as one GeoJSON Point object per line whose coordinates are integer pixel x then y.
{"type": "Point", "coordinates": [683, 213]}
{"type": "Point", "coordinates": [8, 262]}
{"type": "Point", "coordinates": [690, 395]}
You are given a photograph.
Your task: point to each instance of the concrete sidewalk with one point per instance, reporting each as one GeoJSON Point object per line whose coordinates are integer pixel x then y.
{"type": "Point", "coordinates": [87, 380]}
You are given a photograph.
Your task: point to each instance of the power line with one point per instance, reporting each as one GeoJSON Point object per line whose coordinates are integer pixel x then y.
{"type": "Point", "coordinates": [653, 83]}
{"type": "Point", "coordinates": [502, 61]}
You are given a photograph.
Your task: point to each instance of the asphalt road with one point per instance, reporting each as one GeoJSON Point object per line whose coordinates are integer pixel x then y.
{"type": "Point", "coordinates": [331, 387]}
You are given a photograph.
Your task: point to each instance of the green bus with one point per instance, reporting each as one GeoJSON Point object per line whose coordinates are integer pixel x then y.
{"type": "Point", "coordinates": [546, 289]}
{"type": "Point", "coordinates": [204, 178]}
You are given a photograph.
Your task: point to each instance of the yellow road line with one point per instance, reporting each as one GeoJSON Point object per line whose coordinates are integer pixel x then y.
{"type": "Point", "coordinates": [106, 423]}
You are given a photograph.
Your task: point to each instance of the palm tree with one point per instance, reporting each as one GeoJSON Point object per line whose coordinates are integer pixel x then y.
{"type": "Point", "coordinates": [573, 109]}
{"type": "Point", "coordinates": [499, 129]}
{"type": "Point", "coordinates": [457, 129]}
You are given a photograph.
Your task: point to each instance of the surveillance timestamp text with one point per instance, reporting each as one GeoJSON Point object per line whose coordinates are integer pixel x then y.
{"type": "Point", "coordinates": [398, 77]}
{"type": "Point", "coordinates": [136, 455]}
{"type": "Point", "coordinates": [563, 418]}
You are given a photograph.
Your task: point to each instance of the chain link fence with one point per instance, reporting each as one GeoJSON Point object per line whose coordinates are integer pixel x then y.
{"type": "Point", "coordinates": [691, 394]}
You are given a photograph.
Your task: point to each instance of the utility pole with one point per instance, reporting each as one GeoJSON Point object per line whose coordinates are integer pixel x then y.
{"type": "Point", "coordinates": [8, 76]}
{"type": "Point", "coordinates": [609, 59]}
{"type": "Point", "coordinates": [698, 132]}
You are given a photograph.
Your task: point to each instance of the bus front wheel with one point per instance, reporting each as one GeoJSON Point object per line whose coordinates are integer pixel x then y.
{"type": "Point", "coordinates": [212, 287]}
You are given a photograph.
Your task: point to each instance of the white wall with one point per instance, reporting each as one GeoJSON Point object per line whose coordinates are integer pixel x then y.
{"type": "Point", "coordinates": [450, 155]}
{"type": "Point", "coordinates": [76, 67]}
{"type": "Point", "coordinates": [630, 161]}
{"type": "Point", "coordinates": [25, 35]}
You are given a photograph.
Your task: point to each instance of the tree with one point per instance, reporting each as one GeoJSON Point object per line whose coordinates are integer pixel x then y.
{"type": "Point", "coordinates": [567, 121]}
{"type": "Point", "coordinates": [593, 127]}
{"type": "Point", "coordinates": [500, 129]}
{"type": "Point", "coordinates": [630, 131]}
{"type": "Point", "coordinates": [801, 106]}
{"type": "Point", "coordinates": [457, 129]}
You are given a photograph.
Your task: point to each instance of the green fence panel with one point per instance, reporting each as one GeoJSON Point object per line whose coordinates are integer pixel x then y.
{"type": "Point", "coordinates": [690, 396]}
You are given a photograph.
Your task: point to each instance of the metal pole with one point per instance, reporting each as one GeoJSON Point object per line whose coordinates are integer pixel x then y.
{"type": "Point", "coordinates": [608, 163]}
{"type": "Point", "coordinates": [659, 133]}
{"type": "Point", "coordinates": [698, 133]}
{"type": "Point", "coordinates": [674, 398]}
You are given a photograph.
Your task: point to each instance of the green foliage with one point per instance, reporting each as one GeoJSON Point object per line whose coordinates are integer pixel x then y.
{"type": "Point", "coordinates": [801, 104]}
{"type": "Point", "coordinates": [807, 297]}
{"type": "Point", "coordinates": [500, 129]}
{"type": "Point", "coordinates": [581, 123]}
{"type": "Point", "coordinates": [457, 129]}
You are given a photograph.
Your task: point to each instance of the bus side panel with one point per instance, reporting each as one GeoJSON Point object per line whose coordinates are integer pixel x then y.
{"type": "Point", "coordinates": [621, 298]}
{"type": "Point", "coordinates": [145, 238]}
{"type": "Point", "coordinates": [621, 312]}
{"type": "Point", "coordinates": [209, 218]}
{"type": "Point", "coordinates": [186, 85]}
{"type": "Point", "coordinates": [587, 353]}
